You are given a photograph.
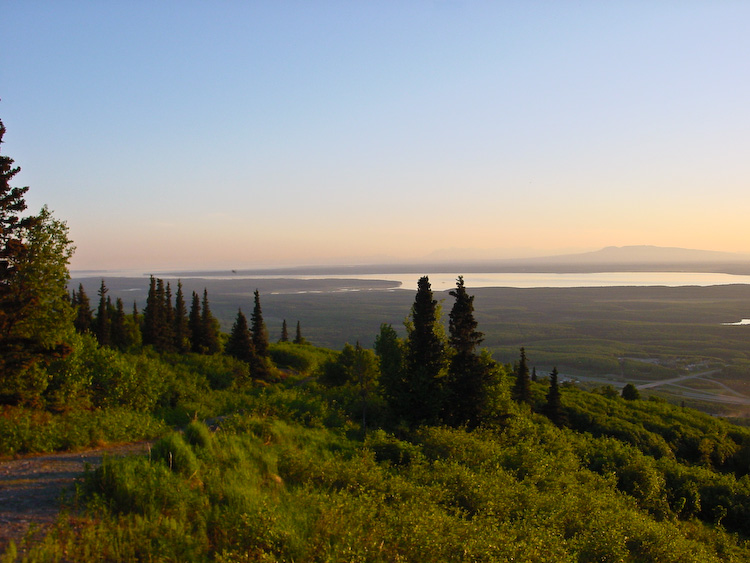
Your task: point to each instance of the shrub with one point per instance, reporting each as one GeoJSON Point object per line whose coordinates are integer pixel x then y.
{"type": "Point", "coordinates": [198, 435]}
{"type": "Point", "coordinates": [176, 454]}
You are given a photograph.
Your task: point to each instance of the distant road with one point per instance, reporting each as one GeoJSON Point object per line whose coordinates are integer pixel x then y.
{"type": "Point", "coordinates": [735, 398]}
{"type": "Point", "coordinates": [676, 379]}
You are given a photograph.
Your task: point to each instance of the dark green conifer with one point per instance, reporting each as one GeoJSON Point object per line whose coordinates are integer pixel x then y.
{"type": "Point", "coordinates": [462, 326]}
{"type": "Point", "coordinates": [240, 343]}
{"type": "Point", "coordinates": [390, 350]}
{"type": "Point", "coordinates": [84, 319]}
{"type": "Point", "coordinates": [119, 332]}
{"type": "Point", "coordinates": [425, 359]}
{"type": "Point", "coordinates": [157, 328]}
{"type": "Point", "coordinates": [468, 377]}
{"type": "Point", "coordinates": [181, 330]}
{"type": "Point", "coordinates": [258, 329]}
{"type": "Point", "coordinates": [102, 325]}
{"type": "Point", "coordinates": [209, 327]}
{"type": "Point", "coordinates": [13, 253]}
{"type": "Point", "coordinates": [284, 332]}
{"type": "Point", "coordinates": [298, 338]}
{"type": "Point", "coordinates": [195, 326]}
{"type": "Point", "coordinates": [553, 408]}
{"type": "Point", "coordinates": [35, 316]}
{"type": "Point", "coordinates": [151, 315]}
{"type": "Point", "coordinates": [522, 386]}
{"type": "Point", "coordinates": [168, 338]}
{"type": "Point", "coordinates": [630, 392]}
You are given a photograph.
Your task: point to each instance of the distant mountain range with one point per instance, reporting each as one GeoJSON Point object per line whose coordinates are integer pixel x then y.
{"type": "Point", "coordinates": [626, 259]}
{"type": "Point", "coordinates": [642, 255]}
{"type": "Point", "coordinates": [609, 259]}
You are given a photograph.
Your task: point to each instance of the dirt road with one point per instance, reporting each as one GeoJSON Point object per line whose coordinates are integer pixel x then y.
{"type": "Point", "coordinates": [32, 487]}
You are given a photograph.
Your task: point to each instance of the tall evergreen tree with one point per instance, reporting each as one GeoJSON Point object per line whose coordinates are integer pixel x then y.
{"type": "Point", "coordinates": [151, 315]}
{"type": "Point", "coordinates": [158, 324]}
{"type": "Point", "coordinates": [195, 326]}
{"type": "Point", "coordinates": [168, 340]}
{"type": "Point", "coordinates": [162, 317]}
{"type": "Point", "coordinates": [209, 327]}
{"type": "Point", "coordinates": [298, 338]}
{"type": "Point", "coordinates": [462, 326]}
{"type": "Point", "coordinates": [240, 343]}
{"type": "Point", "coordinates": [390, 350]}
{"type": "Point", "coordinates": [284, 332]}
{"type": "Point", "coordinates": [425, 359]}
{"type": "Point", "coordinates": [119, 331]}
{"type": "Point", "coordinates": [553, 408]}
{"type": "Point", "coordinates": [258, 328]}
{"type": "Point", "coordinates": [181, 330]}
{"type": "Point", "coordinates": [102, 326]}
{"type": "Point", "coordinates": [522, 386]}
{"type": "Point", "coordinates": [84, 319]}
{"type": "Point", "coordinates": [468, 376]}
{"type": "Point", "coordinates": [35, 315]}
{"type": "Point", "coordinates": [13, 227]}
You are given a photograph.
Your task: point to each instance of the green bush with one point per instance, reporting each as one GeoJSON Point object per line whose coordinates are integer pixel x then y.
{"type": "Point", "coordinates": [198, 435]}
{"type": "Point", "coordinates": [389, 449]}
{"type": "Point", "coordinates": [176, 454]}
{"type": "Point", "coordinates": [25, 430]}
{"type": "Point", "coordinates": [302, 358]}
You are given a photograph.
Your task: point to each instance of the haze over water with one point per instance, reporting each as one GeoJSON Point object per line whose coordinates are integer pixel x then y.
{"type": "Point", "coordinates": [444, 281]}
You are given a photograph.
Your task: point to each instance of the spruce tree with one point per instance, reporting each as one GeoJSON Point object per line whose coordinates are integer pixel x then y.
{"type": "Point", "coordinates": [35, 314]}
{"type": "Point", "coordinates": [151, 315]}
{"type": "Point", "coordinates": [84, 319]}
{"type": "Point", "coordinates": [119, 331]}
{"type": "Point", "coordinates": [181, 330]}
{"type": "Point", "coordinates": [163, 337]}
{"type": "Point", "coordinates": [630, 392]}
{"type": "Point", "coordinates": [13, 253]}
{"type": "Point", "coordinates": [390, 351]}
{"type": "Point", "coordinates": [13, 227]}
{"type": "Point", "coordinates": [168, 338]}
{"type": "Point", "coordinates": [102, 327]}
{"type": "Point", "coordinates": [522, 386]}
{"type": "Point", "coordinates": [468, 377]}
{"type": "Point", "coordinates": [425, 359]}
{"type": "Point", "coordinates": [284, 332]}
{"type": "Point", "coordinates": [553, 408]}
{"type": "Point", "coordinates": [298, 338]}
{"type": "Point", "coordinates": [240, 343]}
{"type": "Point", "coordinates": [209, 327]}
{"type": "Point", "coordinates": [462, 326]}
{"type": "Point", "coordinates": [195, 326]}
{"type": "Point", "coordinates": [158, 317]}
{"type": "Point", "coordinates": [258, 328]}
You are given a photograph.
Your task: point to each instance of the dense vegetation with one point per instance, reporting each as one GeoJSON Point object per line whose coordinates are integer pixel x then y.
{"type": "Point", "coordinates": [421, 449]}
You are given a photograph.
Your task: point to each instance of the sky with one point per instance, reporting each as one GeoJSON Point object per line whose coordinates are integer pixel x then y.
{"type": "Point", "coordinates": [255, 134]}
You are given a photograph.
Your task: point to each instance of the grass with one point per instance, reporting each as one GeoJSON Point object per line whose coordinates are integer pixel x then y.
{"type": "Point", "coordinates": [31, 431]}
{"type": "Point", "coordinates": [267, 489]}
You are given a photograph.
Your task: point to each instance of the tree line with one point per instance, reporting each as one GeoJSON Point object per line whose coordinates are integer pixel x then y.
{"type": "Point", "coordinates": [168, 326]}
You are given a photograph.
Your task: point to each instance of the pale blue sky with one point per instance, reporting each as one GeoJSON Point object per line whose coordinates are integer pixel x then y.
{"type": "Point", "coordinates": [240, 134]}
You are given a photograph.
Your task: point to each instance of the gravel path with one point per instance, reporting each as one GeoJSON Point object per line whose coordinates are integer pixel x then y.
{"type": "Point", "coordinates": [31, 488]}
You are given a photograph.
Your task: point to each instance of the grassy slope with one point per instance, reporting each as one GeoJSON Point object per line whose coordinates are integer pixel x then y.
{"type": "Point", "coordinates": [290, 479]}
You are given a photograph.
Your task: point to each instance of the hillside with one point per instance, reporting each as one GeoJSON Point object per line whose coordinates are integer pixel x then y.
{"type": "Point", "coordinates": [291, 476]}
{"type": "Point", "coordinates": [423, 449]}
